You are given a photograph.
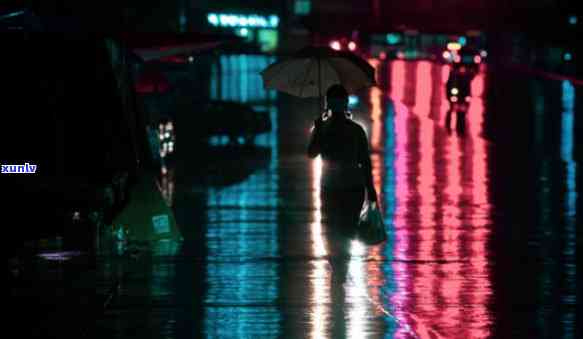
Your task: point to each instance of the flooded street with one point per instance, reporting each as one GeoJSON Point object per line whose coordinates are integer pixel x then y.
{"type": "Point", "coordinates": [481, 217]}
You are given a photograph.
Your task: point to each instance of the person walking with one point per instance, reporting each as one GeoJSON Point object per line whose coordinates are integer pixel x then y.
{"type": "Point", "coordinates": [346, 174]}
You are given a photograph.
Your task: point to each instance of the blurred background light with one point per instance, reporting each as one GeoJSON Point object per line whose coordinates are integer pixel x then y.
{"type": "Point", "coordinates": [335, 45]}
{"type": "Point", "coordinates": [568, 56]}
{"type": "Point", "coordinates": [393, 38]}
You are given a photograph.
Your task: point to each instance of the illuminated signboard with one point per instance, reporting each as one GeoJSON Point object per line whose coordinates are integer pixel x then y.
{"type": "Point", "coordinates": [243, 20]}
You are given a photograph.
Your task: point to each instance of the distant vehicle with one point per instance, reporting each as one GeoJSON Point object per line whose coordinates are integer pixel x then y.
{"type": "Point", "coordinates": [233, 119]}
{"type": "Point", "coordinates": [344, 44]}
{"type": "Point", "coordinates": [458, 87]}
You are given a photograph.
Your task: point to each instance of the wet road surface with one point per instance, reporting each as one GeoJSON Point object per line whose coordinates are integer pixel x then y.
{"type": "Point", "coordinates": [481, 220]}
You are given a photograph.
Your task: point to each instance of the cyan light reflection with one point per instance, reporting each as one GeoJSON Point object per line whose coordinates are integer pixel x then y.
{"type": "Point", "coordinates": [237, 78]}
{"type": "Point", "coordinates": [568, 99]}
{"type": "Point", "coordinates": [389, 189]}
{"type": "Point", "coordinates": [567, 139]}
{"type": "Point", "coordinates": [242, 223]}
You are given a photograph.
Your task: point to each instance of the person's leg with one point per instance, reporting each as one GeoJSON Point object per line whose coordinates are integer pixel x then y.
{"type": "Point", "coordinates": [352, 202]}
{"type": "Point", "coordinates": [332, 216]}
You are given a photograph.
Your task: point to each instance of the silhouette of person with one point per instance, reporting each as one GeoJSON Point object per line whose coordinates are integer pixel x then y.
{"type": "Point", "coordinates": [458, 85]}
{"type": "Point", "coordinates": [346, 175]}
{"type": "Point", "coordinates": [460, 126]}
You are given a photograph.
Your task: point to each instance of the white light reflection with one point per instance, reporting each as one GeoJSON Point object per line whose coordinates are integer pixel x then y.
{"type": "Point", "coordinates": [356, 292]}
{"type": "Point", "coordinates": [320, 276]}
{"type": "Point", "coordinates": [356, 284]}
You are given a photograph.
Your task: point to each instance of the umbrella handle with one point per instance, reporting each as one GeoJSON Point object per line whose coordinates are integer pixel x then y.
{"type": "Point", "coordinates": [319, 88]}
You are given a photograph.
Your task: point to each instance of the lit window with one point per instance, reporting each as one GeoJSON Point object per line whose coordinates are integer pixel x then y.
{"type": "Point", "coordinates": [213, 19]}
{"type": "Point", "coordinates": [268, 39]}
{"type": "Point", "coordinates": [302, 7]}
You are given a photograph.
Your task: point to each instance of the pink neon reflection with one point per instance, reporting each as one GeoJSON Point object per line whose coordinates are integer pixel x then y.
{"type": "Point", "coordinates": [400, 298]}
{"type": "Point", "coordinates": [442, 201]}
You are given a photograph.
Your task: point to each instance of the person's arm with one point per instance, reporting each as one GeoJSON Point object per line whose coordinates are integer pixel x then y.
{"type": "Point", "coordinates": [364, 160]}
{"type": "Point", "coordinates": [315, 146]}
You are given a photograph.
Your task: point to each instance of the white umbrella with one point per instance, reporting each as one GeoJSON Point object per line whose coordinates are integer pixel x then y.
{"type": "Point", "coordinates": [313, 70]}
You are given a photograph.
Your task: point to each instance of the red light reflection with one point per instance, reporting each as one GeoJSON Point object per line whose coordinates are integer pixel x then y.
{"type": "Point", "coordinates": [442, 204]}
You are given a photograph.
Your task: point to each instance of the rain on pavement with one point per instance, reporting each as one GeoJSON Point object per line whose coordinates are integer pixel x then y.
{"type": "Point", "coordinates": [481, 220]}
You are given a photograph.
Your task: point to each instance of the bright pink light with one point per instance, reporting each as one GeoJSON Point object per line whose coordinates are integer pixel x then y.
{"type": "Point", "coordinates": [424, 85]}
{"type": "Point", "coordinates": [477, 59]}
{"type": "Point", "coordinates": [477, 85]}
{"type": "Point", "coordinates": [335, 45]}
{"type": "Point", "coordinates": [397, 73]}
{"type": "Point", "coordinates": [352, 45]}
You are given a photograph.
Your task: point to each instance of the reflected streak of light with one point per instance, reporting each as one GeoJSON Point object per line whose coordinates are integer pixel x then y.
{"type": "Point", "coordinates": [567, 137]}
{"type": "Point", "coordinates": [426, 175]}
{"type": "Point", "coordinates": [319, 245]}
{"type": "Point", "coordinates": [451, 287]}
{"type": "Point", "coordinates": [376, 278]}
{"type": "Point", "coordinates": [478, 85]}
{"type": "Point", "coordinates": [450, 279]}
{"type": "Point", "coordinates": [480, 288]}
{"type": "Point", "coordinates": [233, 232]}
{"type": "Point", "coordinates": [426, 279]}
{"type": "Point", "coordinates": [376, 113]}
{"type": "Point", "coordinates": [399, 297]}
{"type": "Point", "coordinates": [397, 80]}
{"type": "Point", "coordinates": [320, 288]}
{"type": "Point", "coordinates": [357, 292]}
{"type": "Point", "coordinates": [167, 185]}
{"type": "Point", "coordinates": [376, 139]}
{"type": "Point", "coordinates": [375, 275]}
{"type": "Point", "coordinates": [320, 276]}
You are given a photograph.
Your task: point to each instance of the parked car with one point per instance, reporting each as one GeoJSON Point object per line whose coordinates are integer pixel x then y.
{"type": "Point", "coordinates": [235, 120]}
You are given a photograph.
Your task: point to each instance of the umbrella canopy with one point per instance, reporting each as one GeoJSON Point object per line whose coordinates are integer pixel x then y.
{"type": "Point", "coordinates": [312, 70]}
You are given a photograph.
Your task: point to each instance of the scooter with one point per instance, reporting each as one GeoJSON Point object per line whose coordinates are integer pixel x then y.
{"type": "Point", "coordinates": [458, 89]}
{"type": "Point", "coordinates": [458, 96]}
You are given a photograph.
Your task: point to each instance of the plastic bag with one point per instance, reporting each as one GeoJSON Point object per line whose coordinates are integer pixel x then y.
{"type": "Point", "coordinates": [371, 227]}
